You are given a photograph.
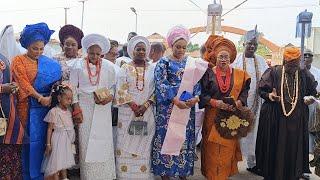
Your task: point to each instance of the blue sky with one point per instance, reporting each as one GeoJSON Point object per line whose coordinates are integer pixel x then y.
{"type": "Point", "coordinates": [113, 18]}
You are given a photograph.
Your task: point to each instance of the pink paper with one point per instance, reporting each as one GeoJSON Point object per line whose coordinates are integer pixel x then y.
{"type": "Point", "coordinates": [176, 131]}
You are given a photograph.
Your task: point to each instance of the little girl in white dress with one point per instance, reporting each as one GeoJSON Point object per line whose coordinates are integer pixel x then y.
{"type": "Point", "coordinates": [60, 135]}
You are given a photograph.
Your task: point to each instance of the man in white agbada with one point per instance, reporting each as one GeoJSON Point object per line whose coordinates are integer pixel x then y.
{"type": "Point", "coordinates": [95, 133]}
{"type": "Point", "coordinates": [112, 56]}
{"type": "Point", "coordinates": [135, 99]}
{"type": "Point", "coordinates": [255, 66]}
{"type": "Point", "coordinates": [123, 59]}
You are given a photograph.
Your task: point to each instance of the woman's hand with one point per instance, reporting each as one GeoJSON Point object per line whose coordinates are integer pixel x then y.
{"type": "Point", "coordinates": [45, 101]}
{"type": "Point", "coordinates": [239, 104]}
{"type": "Point", "coordinates": [96, 100]}
{"type": "Point", "coordinates": [78, 119]}
{"type": "Point", "coordinates": [192, 102]}
{"type": "Point", "coordinates": [77, 115]}
{"type": "Point", "coordinates": [106, 101]}
{"type": "Point", "coordinates": [134, 107]}
{"type": "Point", "coordinates": [141, 110]}
{"type": "Point", "coordinates": [180, 104]}
{"type": "Point", "coordinates": [224, 106]}
{"type": "Point", "coordinates": [9, 88]}
{"type": "Point", "coordinates": [48, 150]}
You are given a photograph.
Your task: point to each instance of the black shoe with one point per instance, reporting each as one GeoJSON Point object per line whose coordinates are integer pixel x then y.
{"type": "Point", "coordinates": [73, 172]}
{"type": "Point", "coordinates": [254, 170]}
{"type": "Point", "coordinates": [305, 177]}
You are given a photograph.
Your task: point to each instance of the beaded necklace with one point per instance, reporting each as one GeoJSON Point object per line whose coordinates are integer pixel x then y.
{"type": "Point", "coordinates": [295, 91]}
{"type": "Point", "coordinates": [223, 86]}
{"type": "Point", "coordinates": [256, 99]}
{"type": "Point", "coordinates": [97, 74]}
{"type": "Point", "coordinates": [137, 76]}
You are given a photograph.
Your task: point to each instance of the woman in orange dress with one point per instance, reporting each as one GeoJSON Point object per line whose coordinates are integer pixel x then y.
{"type": "Point", "coordinates": [219, 155]}
{"type": "Point", "coordinates": [34, 74]}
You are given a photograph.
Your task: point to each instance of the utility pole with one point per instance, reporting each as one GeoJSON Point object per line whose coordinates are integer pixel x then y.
{"type": "Point", "coordinates": [66, 15]}
{"type": "Point", "coordinates": [303, 30]}
{"type": "Point", "coordinates": [135, 12]}
{"type": "Point", "coordinates": [82, 1]}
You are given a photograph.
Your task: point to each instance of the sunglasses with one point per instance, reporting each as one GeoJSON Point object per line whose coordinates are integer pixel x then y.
{"type": "Point", "coordinates": [308, 55]}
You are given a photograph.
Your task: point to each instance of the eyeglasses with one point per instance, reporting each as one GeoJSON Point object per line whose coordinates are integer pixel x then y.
{"type": "Point", "coordinates": [226, 57]}
{"type": "Point", "coordinates": [308, 55]}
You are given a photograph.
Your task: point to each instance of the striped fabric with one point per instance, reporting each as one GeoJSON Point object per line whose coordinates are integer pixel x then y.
{"type": "Point", "coordinates": [15, 131]}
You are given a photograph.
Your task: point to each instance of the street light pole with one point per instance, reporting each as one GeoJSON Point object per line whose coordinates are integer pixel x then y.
{"type": "Point", "coordinates": [82, 1]}
{"type": "Point", "coordinates": [303, 30]}
{"type": "Point", "coordinates": [135, 12]}
{"type": "Point", "coordinates": [66, 15]}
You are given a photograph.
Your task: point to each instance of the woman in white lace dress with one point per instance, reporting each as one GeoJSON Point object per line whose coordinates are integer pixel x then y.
{"type": "Point", "coordinates": [95, 133]}
{"type": "Point", "coordinates": [134, 96]}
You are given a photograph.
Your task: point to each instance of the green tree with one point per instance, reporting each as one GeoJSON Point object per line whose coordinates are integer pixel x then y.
{"type": "Point", "coordinates": [262, 49]}
{"type": "Point", "coordinates": [192, 47]}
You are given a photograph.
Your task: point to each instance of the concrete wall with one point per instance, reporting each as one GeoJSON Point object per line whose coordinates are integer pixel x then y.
{"type": "Point", "coordinates": [313, 43]}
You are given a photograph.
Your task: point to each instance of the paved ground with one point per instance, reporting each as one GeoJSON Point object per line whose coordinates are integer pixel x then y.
{"type": "Point", "coordinates": [243, 173]}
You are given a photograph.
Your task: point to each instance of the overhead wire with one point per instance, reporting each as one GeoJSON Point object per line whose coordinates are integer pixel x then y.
{"type": "Point", "coordinates": [38, 9]}
{"type": "Point", "coordinates": [234, 8]}
{"type": "Point", "coordinates": [204, 11]}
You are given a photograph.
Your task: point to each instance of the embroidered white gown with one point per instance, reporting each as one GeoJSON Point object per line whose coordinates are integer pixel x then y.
{"type": "Point", "coordinates": [248, 143]}
{"type": "Point", "coordinates": [95, 133]}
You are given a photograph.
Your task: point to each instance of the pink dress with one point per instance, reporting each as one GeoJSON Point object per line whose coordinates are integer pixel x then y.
{"type": "Point", "coordinates": [61, 156]}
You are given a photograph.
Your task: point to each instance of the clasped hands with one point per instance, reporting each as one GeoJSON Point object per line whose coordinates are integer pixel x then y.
{"type": "Point", "coordinates": [138, 110]}
{"type": "Point", "coordinates": [185, 104]}
{"type": "Point", "coordinates": [225, 106]}
{"type": "Point", "coordinates": [103, 101]}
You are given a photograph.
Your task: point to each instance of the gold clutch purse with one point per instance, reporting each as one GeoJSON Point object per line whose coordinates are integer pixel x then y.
{"type": "Point", "coordinates": [102, 94]}
{"type": "Point", "coordinates": [3, 123]}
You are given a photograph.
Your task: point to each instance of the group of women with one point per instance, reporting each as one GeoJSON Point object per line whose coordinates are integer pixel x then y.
{"type": "Point", "coordinates": [156, 126]}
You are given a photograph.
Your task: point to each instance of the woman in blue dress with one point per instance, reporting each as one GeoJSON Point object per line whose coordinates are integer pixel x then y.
{"type": "Point", "coordinates": [35, 74]}
{"type": "Point", "coordinates": [168, 76]}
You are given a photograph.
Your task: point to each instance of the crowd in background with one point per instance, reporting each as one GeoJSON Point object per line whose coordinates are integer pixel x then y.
{"type": "Point", "coordinates": [135, 113]}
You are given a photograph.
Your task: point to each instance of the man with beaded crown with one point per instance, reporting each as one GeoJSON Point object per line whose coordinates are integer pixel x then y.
{"type": "Point", "coordinates": [254, 65]}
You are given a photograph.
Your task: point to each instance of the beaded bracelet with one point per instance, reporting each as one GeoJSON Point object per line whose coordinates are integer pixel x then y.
{"type": "Point", "coordinates": [213, 102]}
{"type": "Point", "coordinates": [76, 112]}
{"type": "Point", "coordinates": [133, 106]}
{"type": "Point", "coordinates": [146, 104]}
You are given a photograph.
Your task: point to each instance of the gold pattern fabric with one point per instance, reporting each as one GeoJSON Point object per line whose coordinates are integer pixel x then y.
{"type": "Point", "coordinates": [135, 84]}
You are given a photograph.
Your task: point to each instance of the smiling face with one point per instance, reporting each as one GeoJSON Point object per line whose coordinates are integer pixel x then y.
{"type": "Point", "coordinates": [112, 54]}
{"type": "Point", "coordinates": [94, 54]}
{"type": "Point", "coordinates": [251, 47]}
{"type": "Point", "coordinates": [35, 50]}
{"type": "Point", "coordinates": [70, 47]}
{"type": "Point", "coordinates": [223, 60]}
{"type": "Point", "coordinates": [139, 52]}
{"type": "Point", "coordinates": [179, 48]}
